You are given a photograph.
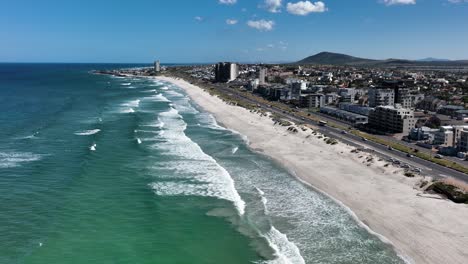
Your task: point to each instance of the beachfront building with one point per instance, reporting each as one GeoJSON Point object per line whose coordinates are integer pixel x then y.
{"type": "Point", "coordinates": [444, 137]}
{"type": "Point", "coordinates": [449, 136]}
{"type": "Point", "coordinates": [392, 119]}
{"type": "Point", "coordinates": [463, 142]}
{"type": "Point", "coordinates": [226, 72]}
{"type": "Point", "coordinates": [347, 95]}
{"type": "Point", "coordinates": [352, 118]}
{"type": "Point", "coordinates": [313, 100]}
{"type": "Point", "coordinates": [262, 76]}
{"type": "Point", "coordinates": [295, 88]}
{"type": "Point", "coordinates": [403, 97]}
{"type": "Point", "coordinates": [381, 97]}
{"type": "Point", "coordinates": [157, 66]}
{"type": "Point", "coordinates": [355, 108]}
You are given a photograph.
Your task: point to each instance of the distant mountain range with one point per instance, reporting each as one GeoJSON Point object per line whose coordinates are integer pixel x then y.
{"type": "Point", "coordinates": [330, 58]}
{"type": "Point", "coordinates": [433, 59]}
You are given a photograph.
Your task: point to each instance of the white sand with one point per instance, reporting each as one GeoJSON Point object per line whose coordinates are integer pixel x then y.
{"type": "Point", "coordinates": [422, 228]}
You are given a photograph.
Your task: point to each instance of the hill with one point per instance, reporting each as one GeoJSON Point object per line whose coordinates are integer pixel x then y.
{"type": "Point", "coordinates": [330, 58]}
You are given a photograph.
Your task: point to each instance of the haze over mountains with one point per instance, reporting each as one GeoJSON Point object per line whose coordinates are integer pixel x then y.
{"type": "Point", "coordinates": [330, 58]}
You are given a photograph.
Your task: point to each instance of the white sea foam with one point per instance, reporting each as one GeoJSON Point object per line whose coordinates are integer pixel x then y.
{"type": "Point", "coordinates": [149, 91]}
{"type": "Point", "coordinates": [126, 84]}
{"type": "Point", "coordinates": [88, 132]}
{"type": "Point", "coordinates": [207, 120]}
{"type": "Point", "coordinates": [165, 88]}
{"type": "Point", "coordinates": [138, 141]}
{"type": "Point", "coordinates": [127, 111]}
{"type": "Point", "coordinates": [158, 98]}
{"type": "Point", "coordinates": [14, 159]}
{"type": "Point", "coordinates": [286, 252]}
{"type": "Point", "coordinates": [173, 93]}
{"type": "Point", "coordinates": [234, 150]}
{"type": "Point", "coordinates": [207, 177]}
{"type": "Point", "coordinates": [133, 103]}
{"type": "Point", "coordinates": [93, 147]}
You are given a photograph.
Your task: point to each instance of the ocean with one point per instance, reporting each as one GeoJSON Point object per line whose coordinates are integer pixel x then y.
{"type": "Point", "coordinates": [101, 169]}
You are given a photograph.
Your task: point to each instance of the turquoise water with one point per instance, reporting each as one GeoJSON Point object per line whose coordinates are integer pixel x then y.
{"type": "Point", "coordinates": [99, 169]}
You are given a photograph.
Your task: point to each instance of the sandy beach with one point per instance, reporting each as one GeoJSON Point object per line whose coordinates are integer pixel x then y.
{"type": "Point", "coordinates": [423, 228]}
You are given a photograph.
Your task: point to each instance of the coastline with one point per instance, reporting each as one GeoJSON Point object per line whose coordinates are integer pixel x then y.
{"type": "Point", "coordinates": [423, 229]}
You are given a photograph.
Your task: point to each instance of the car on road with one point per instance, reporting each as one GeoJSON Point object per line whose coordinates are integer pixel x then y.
{"type": "Point", "coordinates": [344, 132]}
{"type": "Point", "coordinates": [389, 148]}
{"type": "Point", "coordinates": [438, 156]}
{"type": "Point", "coordinates": [364, 139]}
{"type": "Point", "coordinates": [409, 155]}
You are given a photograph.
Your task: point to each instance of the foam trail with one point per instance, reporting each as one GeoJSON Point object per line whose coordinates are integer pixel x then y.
{"type": "Point", "coordinates": [149, 91]}
{"type": "Point", "coordinates": [126, 84]}
{"type": "Point", "coordinates": [88, 132]}
{"type": "Point", "coordinates": [127, 111]}
{"type": "Point", "coordinates": [14, 159]}
{"type": "Point", "coordinates": [211, 179]}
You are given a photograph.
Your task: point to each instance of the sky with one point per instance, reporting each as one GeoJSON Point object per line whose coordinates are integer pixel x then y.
{"type": "Point", "coordinates": [200, 31]}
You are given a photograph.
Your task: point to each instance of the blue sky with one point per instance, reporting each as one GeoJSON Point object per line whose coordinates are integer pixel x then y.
{"type": "Point", "coordinates": [238, 30]}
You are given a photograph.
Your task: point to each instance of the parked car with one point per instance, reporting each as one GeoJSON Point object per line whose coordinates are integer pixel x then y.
{"type": "Point", "coordinates": [438, 156]}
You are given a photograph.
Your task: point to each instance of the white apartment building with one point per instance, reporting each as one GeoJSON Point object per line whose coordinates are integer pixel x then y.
{"type": "Point", "coordinates": [392, 119]}
{"type": "Point", "coordinates": [378, 97]}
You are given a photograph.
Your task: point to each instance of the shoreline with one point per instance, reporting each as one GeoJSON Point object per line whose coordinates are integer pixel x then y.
{"type": "Point", "coordinates": [381, 199]}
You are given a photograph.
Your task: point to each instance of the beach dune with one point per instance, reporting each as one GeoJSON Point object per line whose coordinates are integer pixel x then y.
{"type": "Point", "coordinates": [422, 228]}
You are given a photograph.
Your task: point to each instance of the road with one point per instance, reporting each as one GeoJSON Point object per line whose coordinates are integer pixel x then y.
{"type": "Point", "coordinates": [428, 168]}
{"type": "Point", "coordinates": [394, 140]}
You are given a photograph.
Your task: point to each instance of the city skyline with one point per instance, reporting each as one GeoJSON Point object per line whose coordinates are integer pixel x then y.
{"type": "Point", "coordinates": [231, 30]}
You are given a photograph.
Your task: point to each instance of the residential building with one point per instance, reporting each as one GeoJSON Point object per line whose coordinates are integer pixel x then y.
{"type": "Point", "coordinates": [381, 97]}
{"type": "Point", "coordinates": [392, 119]}
{"type": "Point", "coordinates": [157, 66]}
{"type": "Point", "coordinates": [450, 110]}
{"type": "Point", "coordinates": [357, 109]}
{"type": "Point", "coordinates": [462, 115]}
{"type": "Point", "coordinates": [403, 97]}
{"type": "Point", "coordinates": [331, 98]}
{"type": "Point", "coordinates": [349, 117]}
{"type": "Point", "coordinates": [444, 137]}
{"type": "Point", "coordinates": [430, 103]}
{"type": "Point", "coordinates": [252, 85]}
{"type": "Point", "coordinates": [295, 88]}
{"type": "Point", "coordinates": [316, 100]}
{"type": "Point", "coordinates": [422, 133]}
{"type": "Point", "coordinates": [463, 142]}
{"type": "Point", "coordinates": [347, 95]}
{"type": "Point", "coordinates": [226, 72]}
{"type": "Point", "coordinates": [262, 76]}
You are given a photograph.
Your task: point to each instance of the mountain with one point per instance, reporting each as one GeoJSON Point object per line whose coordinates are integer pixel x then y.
{"type": "Point", "coordinates": [433, 59]}
{"type": "Point", "coordinates": [330, 58]}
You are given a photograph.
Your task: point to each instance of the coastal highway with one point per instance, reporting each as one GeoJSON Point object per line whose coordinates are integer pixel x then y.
{"type": "Point", "coordinates": [428, 168]}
